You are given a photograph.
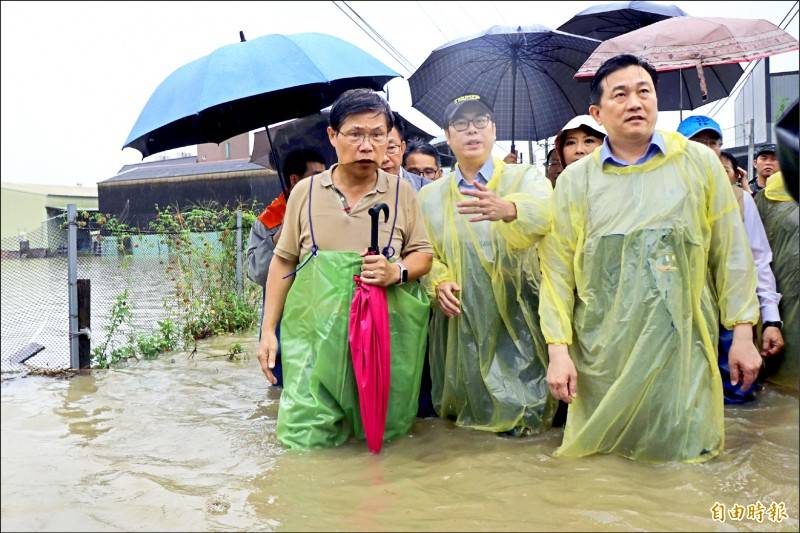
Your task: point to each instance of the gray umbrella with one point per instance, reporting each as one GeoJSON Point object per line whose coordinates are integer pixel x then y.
{"type": "Point", "coordinates": [526, 74]}
{"type": "Point", "coordinates": [610, 20]}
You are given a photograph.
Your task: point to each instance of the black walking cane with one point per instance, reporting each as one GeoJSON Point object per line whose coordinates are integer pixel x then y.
{"type": "Point", "coordinates": [374, 213]}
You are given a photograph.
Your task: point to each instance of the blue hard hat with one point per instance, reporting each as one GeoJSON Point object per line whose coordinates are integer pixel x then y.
{"type": "Point", "coordinates": [691, 126]}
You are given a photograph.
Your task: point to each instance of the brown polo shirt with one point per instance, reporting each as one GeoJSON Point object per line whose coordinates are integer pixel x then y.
{"type": "Point", "coordinates": [336, 229]}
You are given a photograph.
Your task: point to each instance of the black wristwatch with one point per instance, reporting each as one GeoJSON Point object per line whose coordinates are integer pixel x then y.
{"type": "Point", "coordinates": [403, 273]}
{"type": "Point", "coordinates": [765, 325]}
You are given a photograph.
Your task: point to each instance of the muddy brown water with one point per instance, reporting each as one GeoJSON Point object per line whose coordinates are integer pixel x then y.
{"type": "Point", "coordinates": [188, 444]}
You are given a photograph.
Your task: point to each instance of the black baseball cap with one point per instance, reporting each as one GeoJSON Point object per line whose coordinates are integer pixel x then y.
{"type": "Point", "coordinates": [465, 100]}
{"type": "Point", "coordinates": [766, 149]}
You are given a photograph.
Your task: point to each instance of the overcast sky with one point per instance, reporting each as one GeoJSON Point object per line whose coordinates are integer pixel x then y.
{"type": "Point", "coordinates": [76, 75]}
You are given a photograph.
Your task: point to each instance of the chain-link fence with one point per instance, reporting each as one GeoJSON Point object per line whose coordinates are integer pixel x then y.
{"type": "Point", "coordinates": [138, 283]}
{"type": "Point", "coordinates": [35, 308]}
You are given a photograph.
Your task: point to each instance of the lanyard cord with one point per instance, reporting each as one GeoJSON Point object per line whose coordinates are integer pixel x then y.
{"type": "Point", "coordinates": [314, 247]}
{"type": "Point", "coordinates": [388, 251]}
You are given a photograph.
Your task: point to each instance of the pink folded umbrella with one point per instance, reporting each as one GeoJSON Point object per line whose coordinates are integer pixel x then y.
{"type": "Point", "coordinates": [371, 355]}
{"type": "Point", "coordinates": [370, 348]}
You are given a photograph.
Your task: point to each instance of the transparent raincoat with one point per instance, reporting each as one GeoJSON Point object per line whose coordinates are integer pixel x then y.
{"type": "Point", "coordinates": [643, 263]}
{"type": "Point", "coordinates": [488, 365]}
{"type": "Point", "coordinates": [781, 217]}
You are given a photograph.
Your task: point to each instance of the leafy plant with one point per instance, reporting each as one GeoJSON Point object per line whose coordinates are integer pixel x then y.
{"type": "Point", "coordinates": [106, 354]}
{"type": "Point", "coordinates": [202, 265]}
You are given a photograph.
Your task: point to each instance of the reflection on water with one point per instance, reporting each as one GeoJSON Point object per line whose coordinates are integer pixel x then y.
{"type": "Point", "coordinates": [189, 444]}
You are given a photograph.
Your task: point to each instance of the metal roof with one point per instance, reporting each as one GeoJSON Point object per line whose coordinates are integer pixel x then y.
{"type": "Point", "coordinates": [86, 191]}
{"type": "Point", "coordinates": [185, 166]}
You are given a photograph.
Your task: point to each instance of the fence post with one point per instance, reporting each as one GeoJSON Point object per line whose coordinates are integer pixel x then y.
{"type": "Point", "coordinates": [72, 284]}
{"type": "Point", "coordinates": [84, 323]}
{"type": "Point", "coordinates": [239, 252]}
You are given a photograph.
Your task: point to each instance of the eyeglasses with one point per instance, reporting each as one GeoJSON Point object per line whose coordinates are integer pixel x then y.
{"type": "Point", "coordinates": [355, 138]}
{"type": "Point", "coordinates": [429, 173]}
{"type": "Point", "coordinates": [479, 122]}
{"type": "Point", "coordinates": [393, 149]}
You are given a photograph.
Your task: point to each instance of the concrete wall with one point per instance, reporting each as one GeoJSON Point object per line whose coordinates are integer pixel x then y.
{"type": "Point", "coordinates": [20, 212]}
{"type": "Point", "coordinates": [239, 149]}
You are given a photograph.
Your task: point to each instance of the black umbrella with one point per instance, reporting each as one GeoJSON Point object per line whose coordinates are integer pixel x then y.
{"type": "Point", "coordinates": [609, 20]}
{"type": "Point", "coordinates": [524, 73]}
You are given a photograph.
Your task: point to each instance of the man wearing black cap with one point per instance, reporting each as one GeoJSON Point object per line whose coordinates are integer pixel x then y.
{"type": "Point", "coordinates": [766, 164]}
{"type": "Point", "coordinates": [487, 353]}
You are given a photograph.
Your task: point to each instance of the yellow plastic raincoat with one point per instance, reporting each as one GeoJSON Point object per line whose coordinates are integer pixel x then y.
{"type": "Point", "coordinates": [781, 216]}
{"type": "Point", "coordinates": [488, 365]}
{"type": "Point", "coordinates": [643, 263]}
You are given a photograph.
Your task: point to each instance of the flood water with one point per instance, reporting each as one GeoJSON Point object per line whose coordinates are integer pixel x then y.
{"type": "Point", "coordinates": [189, 444]}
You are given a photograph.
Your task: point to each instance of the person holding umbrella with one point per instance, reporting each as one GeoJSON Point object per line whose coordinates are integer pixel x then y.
{"type": "Point", "coordinates": [266, 229]}
{"type": "Point", "coordinates": [647, 254]}
{"type": "Point", "coordinates": [487, 354]}
{"type": "Point", "coordinates": [326, 230]}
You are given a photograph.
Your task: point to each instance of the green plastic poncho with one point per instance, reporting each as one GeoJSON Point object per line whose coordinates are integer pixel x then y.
{"type": "Point", "coordinates": [319, 402]}
{"type": "Point", "coordinates": [781, 217]}
{"type": "Point", "coordinates": [658, 255]}
{"type": "Point", "coordinates": [488, 365]}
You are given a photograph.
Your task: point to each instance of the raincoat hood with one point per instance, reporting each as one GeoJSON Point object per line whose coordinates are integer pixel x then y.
{"type": "Point", "coordinates": [775, 189]}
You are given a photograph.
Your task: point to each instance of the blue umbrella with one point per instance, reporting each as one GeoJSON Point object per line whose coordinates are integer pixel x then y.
{"type": "Point", "coordinates": [250, 84]}
{"type": "Point", "coordinates": [610, 20]}
{"type": "Point", "coordinates": [525, 74]}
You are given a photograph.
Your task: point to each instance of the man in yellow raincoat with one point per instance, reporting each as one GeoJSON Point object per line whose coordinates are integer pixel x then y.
{"type": "Point", "coordinates": [487, 354]}
{"type": "Point", "coordinates": [647, 255]}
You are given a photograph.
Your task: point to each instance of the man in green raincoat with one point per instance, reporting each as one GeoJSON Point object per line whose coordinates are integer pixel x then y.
{"type": "Point", "coordinates": [781, 217]}
{"type": "Point", "coordinates": [647, 255]}
{"type": "Point", "coordinates": [326, 230]}
{"type": "Point", "coordinates": [487, 354]}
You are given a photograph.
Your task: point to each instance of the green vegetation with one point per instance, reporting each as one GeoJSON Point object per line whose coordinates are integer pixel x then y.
{"type": "Point", "coordinates": [204, 300]}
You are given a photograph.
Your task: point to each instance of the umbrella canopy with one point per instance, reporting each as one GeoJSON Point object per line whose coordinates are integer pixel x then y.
{"type": "Point", "coordinates": [309, 132]}
{"type": "Point", "coordinates": [250, 84]}
{"type": "Point", "coordinates": [370, 347]}
{"type": "Point", "coordinates": [610, 20]}
{"type": "Point", "coordinates": [685, 47]}
{"type": "Point", "coordinates": [526, 74]}
{"type": "Point", "coordinates": [369, 338]}
{"type": "Point", "coordinates": [695, 42]}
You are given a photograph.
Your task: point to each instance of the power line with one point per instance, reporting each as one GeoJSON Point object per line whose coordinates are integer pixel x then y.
{"type": "Point", "coordinates": [502, 17]}
{"type": "Point", "coordinates": [477, 25]}
{"type": "Point", "coordinates": [433, 22]}
{"type": "Point", "coordinates": [750, 68]}
{"type": "Point", "coordinates": [404, 63]}
{"type": "Point", "coordinates": [399, 54]}
{"type": "Point", "coordinates": [749, 71]}
{"type": "Point", "coordinates": [387, 45]}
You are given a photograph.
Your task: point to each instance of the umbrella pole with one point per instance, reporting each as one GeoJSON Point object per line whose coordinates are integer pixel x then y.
{"type": "Point", "coordinates": [680, 89]}
{"type": "Point", "coordinates": [513, 96]}
{"type": "Point", "coordinates": [284, 184]}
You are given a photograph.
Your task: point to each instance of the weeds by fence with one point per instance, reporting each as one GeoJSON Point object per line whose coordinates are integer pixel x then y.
{"type": "Point", "coordinates": [152, 290]}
